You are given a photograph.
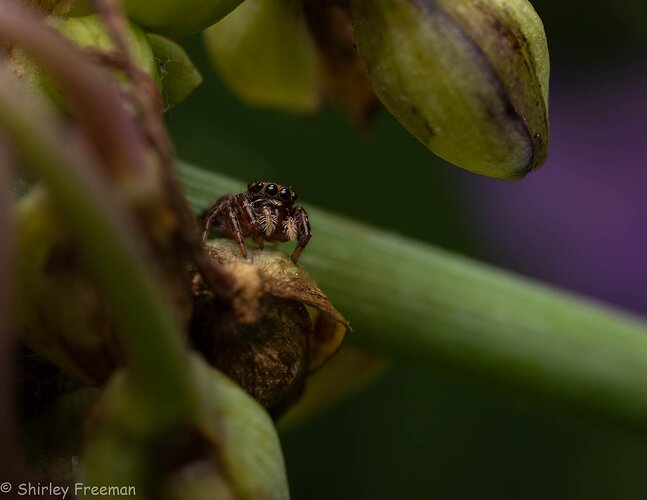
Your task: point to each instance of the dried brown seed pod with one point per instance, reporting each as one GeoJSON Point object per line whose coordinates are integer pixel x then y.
{"type": "Point", "coordinates": [278, 328]}
{"type": "Point", "coordinates": [343, 76]}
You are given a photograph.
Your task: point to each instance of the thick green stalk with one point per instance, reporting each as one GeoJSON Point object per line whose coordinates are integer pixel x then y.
{"type": "Point", "coordinates": [412, 301]}
{"type": "Point", "coordinates": [113, 250]}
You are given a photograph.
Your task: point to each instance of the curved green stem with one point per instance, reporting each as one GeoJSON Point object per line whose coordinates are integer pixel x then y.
{"type": "Point", "coordinates": [414, 302]}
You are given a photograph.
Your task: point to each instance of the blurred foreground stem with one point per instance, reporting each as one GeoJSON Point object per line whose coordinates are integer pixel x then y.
{"type": "Point", "coordinates": [8, 463]}
{"type": "Point", "coordinates": [414, 302]}
{"type": "Point", "coordinates": [115, 253]}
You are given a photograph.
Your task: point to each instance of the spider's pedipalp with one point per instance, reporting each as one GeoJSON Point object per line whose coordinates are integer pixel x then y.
{"type": "Point", "coordinates": [303, 231]}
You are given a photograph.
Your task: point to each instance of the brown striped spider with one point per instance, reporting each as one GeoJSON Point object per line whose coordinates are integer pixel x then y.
{"type": "Point", "coordinates": [266, 212]}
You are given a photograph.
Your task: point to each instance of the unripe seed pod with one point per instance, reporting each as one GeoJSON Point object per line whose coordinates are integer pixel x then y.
{"type": "Point", "coordinates": [265, 53]}
{"type": "Point", "coordinates": [178, 76]}
{"type": "Point", "coordinates": [90, 34]}
{"type": "Point", "coordinates": [178, 17]}
{"type": "Point", "coordinates": [468, 78]}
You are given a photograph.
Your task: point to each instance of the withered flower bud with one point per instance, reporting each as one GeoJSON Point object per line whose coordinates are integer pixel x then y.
{"type": "Point", "coordinates": [279, 327]}
{"type": "Point", "coordinates": [343, 76]}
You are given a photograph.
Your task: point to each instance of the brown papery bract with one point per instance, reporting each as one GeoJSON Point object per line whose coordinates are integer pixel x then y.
{"type": "Point", "coordinates": [278, 328]}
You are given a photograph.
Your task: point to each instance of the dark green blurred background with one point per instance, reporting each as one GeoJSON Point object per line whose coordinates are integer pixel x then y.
{"type": "Point", "coordinates": [428, 432]}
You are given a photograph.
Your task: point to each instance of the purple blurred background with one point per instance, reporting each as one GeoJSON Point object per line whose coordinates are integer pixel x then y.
{"type": "Point", "coordinates": [579, 221]}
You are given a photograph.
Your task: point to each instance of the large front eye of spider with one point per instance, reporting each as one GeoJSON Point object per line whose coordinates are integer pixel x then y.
{"type": "Point", "coordinates": [271, 190]}
{"type": "Point", "coordinates": [285, 194]}
{"type": "Point", "coordinates": [255, 187]}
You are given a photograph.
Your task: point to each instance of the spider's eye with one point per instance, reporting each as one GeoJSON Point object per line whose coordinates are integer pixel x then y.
{"type": "Point", "coordinates": [255, 187]}
{"type": "Point", "coordinates": [284, 193]}
{"type": "Point", "coordinates": [271, 190]}
{"type": "Point", "coordinates": [294, 196]}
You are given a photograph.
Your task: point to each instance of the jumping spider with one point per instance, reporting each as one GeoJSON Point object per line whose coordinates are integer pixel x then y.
{"type": "Point", "coordinates": [266, 211]}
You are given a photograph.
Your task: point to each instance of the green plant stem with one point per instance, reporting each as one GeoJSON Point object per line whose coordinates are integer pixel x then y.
{"type": "Point", "coordinates": [115, 253]}
{"type": "Point", "coordinates": [413, 302]}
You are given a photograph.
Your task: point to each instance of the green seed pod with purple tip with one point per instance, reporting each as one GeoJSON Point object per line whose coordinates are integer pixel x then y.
{"type": "Point", "coordinates": [468, 78]}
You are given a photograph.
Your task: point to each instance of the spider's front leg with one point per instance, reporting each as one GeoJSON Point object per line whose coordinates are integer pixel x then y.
{"type": "Point", "coordinates": [223, 217]}
{"type": "Point", "coordinates": [302, 226]}
{"type": "Point", "coordinates": [213, 216]}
